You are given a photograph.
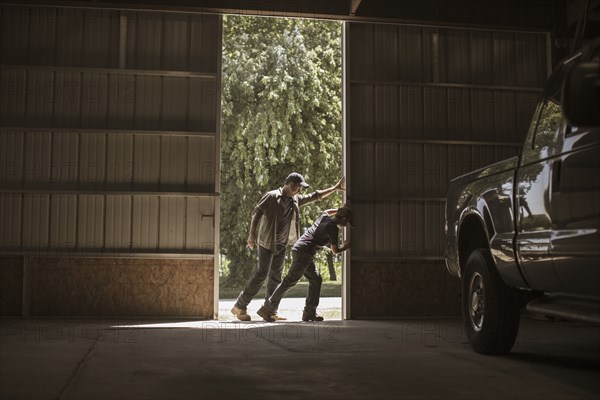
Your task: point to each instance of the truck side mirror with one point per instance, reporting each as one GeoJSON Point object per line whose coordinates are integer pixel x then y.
{"type": "Point", "coordinates": [581, 95]}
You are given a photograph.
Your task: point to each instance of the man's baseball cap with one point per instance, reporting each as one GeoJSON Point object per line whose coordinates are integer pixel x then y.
{"type": "Point", "coordinates": [297, 178]}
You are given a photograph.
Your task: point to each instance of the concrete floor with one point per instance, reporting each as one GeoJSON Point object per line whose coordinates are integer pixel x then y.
{"type": "Point", "coordinates": [401, 359]}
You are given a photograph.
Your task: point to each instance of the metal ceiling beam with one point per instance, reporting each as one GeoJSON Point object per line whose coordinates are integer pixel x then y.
{"type": "Point", "coordinates": [354, 4]}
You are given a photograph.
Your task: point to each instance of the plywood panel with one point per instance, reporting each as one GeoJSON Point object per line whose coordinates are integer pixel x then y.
{"type": "Point", "coordinates": [121, 287]}
{"type": "Point", "coordinates": [403, 290]}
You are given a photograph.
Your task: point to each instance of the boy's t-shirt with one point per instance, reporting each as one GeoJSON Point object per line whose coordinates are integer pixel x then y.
{"type": "Point", "coordinates": [323, 232]}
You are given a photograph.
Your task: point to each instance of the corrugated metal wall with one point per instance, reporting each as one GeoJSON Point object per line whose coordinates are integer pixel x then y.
{"type": "Point", "coordinates": [109, 136]}
{"type": "Point", "coordinates": [425, 105]}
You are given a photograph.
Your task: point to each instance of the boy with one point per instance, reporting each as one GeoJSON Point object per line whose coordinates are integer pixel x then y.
{"type": "Point", "coordinates": [323, 232]}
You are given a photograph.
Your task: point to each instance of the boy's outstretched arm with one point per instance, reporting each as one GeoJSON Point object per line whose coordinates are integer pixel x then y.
{"type": "Point", "coordinates": [335, 249]}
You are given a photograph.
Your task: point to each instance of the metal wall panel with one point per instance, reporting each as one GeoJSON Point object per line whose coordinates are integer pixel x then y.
{"type": "Point", "coordinates": [172, 42]}
{"type": "Point", "coordinates": [67, 98]}
{"type": "Point", "coordinates": [203, 100]}
{"type": "Point", "coordinates": [12, 96]}
{"type": "Point", "coordinates": [148, 104]}
{"type": "Point", "coordinates": [109, 147]}
{"type": "Point", "coordinates": [200, 225]}
{"type": "Point", "coordinates": [92, 158]}
{"type": "Point", "coordinates": [425, 105]}
{"type": "Point", "coordinates": [54, 97]}
{"type": "Point", "coordinates": [176, 42]}
{"type": "Point", "coordinates": [121, 101]}
{"type": "Point", "coordinates": [10, 224]}
{"type": "Point", "coordinates": [98, 157]}
{"type": "Point", "coordinates": [63, 221]}
{"type": "Point", "coordinates": [90, 224]}
{"type": "Point", "coordinates": [145, 41]}
{"type": "Point", "coordinates": [55, 36]}
{"type": "Point", "coordinates": [174, 104]}
{"type": "Point", "coordinates": [37, 166]}
{"type": "Point", "coordinates": [173, 162]}
{"type": "Point", "coordinates": [36, 220]}
{"type": "Point", "coordinates": [172, 223]}
{"type": "Point", "coordinates": [201, 164]}
{"type": "Point", "coordinates": [11, 158]}
{"type": "Point", "coordinates": [117, 234]}
{"type": "Point", "coordinates": [147, 167]}
{"type": "Point", "coordinates": [14, 28]}
{"type": "Point", "coordinates": [120, 166]}
{"type": "Point", "coordinates": [39, 98]}
{"type": "Point", "coordinates": [94, 99]}
{"type": "Point", "coordinates": [434, 112]}
{"type": "Point", "coordinates": [41, 39]}
{"type": "Point", "coordinates": [145, 223]}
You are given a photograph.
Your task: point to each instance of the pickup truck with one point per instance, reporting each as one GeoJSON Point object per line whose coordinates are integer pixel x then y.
{"type": "Point", "coordinates": [525, 232]}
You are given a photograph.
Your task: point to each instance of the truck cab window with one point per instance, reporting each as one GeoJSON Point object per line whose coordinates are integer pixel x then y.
{"type": "Point", "coordinates": [550, 119]}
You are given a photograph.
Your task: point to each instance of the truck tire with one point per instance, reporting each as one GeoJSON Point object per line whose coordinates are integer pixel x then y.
{"type": "Point", "coordinates": [490, 308]}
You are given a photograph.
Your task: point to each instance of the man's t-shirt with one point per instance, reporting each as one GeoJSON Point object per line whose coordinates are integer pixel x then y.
{"type": "Point", "coordinates": [323, 232]}
{"type": "Point", "coordinates": [287, 211]}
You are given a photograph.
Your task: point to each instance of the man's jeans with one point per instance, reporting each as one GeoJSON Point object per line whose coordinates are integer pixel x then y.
{"type": "Point", "coordinates": [302, 264]}
{"type": "Point", "coordinates": [269, 262]}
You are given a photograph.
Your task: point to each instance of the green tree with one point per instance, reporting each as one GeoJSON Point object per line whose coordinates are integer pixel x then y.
{"type": "Point", "coordinates": [281, 112]}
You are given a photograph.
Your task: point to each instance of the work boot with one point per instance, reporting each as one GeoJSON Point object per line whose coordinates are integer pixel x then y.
{"type": "Point", "coordinates": [242, 315]}
{"type": "Point", "coordinates": [311, 316]}
{"type": "Point", "coordinates": [267, 315]}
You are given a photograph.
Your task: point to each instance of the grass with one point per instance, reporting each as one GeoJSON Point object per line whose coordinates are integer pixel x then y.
{"type": "Point", "coordinates": [328, 289]}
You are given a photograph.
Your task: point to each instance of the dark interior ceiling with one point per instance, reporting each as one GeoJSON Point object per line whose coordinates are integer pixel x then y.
{"type": "Point", "coordinates": [559, 17]}
{"type": "Point", "coordinates": [511, 14]}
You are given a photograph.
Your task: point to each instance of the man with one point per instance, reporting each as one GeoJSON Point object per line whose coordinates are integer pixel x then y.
{"type": "Point", "coordinates": [324, 231]}
{"type": "Point", "coordinates": [275, 225]}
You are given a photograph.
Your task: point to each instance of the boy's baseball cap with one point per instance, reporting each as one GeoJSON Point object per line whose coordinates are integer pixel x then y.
{"type": "Point", "coordinates": [297, 178]}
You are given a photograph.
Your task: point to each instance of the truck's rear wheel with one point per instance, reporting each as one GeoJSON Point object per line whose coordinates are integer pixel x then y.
{"type": "Point", "coordinates": [490, 308]}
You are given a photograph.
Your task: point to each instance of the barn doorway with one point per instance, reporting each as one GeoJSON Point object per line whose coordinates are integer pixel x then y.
{"type": "Point", "coordinates": [281, 107]}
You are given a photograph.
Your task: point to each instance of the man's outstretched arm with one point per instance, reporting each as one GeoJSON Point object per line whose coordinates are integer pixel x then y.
{"type": "Point", "coordinates": [321, 194]}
